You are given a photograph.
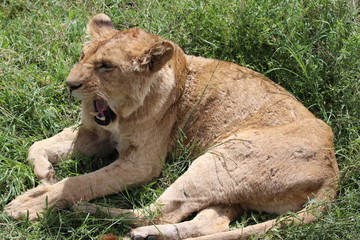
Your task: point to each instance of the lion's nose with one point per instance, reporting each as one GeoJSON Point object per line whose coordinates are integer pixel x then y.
{"type": "Point", "coordinates": [76, 78]}
{"type": "Point", "coordinates": [73, 86]}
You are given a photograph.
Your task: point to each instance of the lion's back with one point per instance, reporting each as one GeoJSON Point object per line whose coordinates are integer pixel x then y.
{"type": "Point", "coordinates": [222, 96]}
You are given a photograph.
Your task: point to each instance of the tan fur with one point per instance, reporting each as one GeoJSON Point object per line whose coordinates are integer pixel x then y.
{"type": "Point", "coordinates": [266, 151]}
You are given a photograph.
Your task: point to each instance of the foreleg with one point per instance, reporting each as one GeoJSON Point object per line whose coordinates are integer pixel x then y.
{"type": "Point", "coordinates": [108, 180]}
{"type": "Point", "coordinates": [43, 154]}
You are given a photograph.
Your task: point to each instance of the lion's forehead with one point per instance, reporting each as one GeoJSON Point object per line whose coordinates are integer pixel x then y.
{"type": "Point", "coordinates": [98, 52]}
{"type": "Point", "coordinates": [126, 43]}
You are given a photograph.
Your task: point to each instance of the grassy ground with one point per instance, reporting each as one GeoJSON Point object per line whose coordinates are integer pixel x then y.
{"type": "Point", "coordinates": [309, 47]}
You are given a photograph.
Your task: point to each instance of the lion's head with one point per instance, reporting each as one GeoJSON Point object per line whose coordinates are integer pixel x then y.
{"type": "Point", "coordinates": [117, 69]}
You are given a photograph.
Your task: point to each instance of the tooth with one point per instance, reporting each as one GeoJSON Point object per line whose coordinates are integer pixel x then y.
{"type": "Point", "coordinates": [98, 115]}
{"type": "Point", "coordinates": [101, 117]}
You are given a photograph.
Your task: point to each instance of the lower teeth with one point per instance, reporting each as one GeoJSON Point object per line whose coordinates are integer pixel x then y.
{"type": "Point", "coordinates": [99, 116]}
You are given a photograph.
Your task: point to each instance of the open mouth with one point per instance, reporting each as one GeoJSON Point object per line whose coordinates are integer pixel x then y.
{"type": "Point", "coordinates": [103, 114]}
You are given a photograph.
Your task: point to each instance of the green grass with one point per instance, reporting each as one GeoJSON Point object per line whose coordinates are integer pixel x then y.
{"type": "Point", "coordinates": [311, 48]}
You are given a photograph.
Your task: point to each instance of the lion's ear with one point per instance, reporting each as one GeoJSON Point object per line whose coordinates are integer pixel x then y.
{"type": "Point", "coordinates": [157, 56]}
{"type": "Point", "coordinates": [99, 26]}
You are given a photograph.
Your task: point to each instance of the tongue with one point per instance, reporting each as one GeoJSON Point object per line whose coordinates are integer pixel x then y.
{"type": "Point", "coordinates": [101, 106]}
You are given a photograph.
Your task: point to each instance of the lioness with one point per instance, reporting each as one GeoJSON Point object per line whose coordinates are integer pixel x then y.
{"type": "Point", "coordinates": [266, 151]}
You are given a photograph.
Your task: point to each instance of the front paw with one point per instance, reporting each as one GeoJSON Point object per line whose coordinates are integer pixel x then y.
{"type": "Point", "coordinates": [33, 202]}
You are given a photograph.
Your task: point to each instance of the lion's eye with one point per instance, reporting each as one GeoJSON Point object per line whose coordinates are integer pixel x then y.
{"type": "Point", "coordinates": [105, 66]}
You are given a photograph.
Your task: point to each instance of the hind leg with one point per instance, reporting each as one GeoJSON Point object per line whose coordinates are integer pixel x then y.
{"type": "Point", "coordinates": [208, 221]}
{"type": "Point", "coordinates": [206, 183]}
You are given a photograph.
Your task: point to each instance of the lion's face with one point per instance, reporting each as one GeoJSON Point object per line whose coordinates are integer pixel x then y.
{"type": "Point", "coordinates": [114, 71]}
